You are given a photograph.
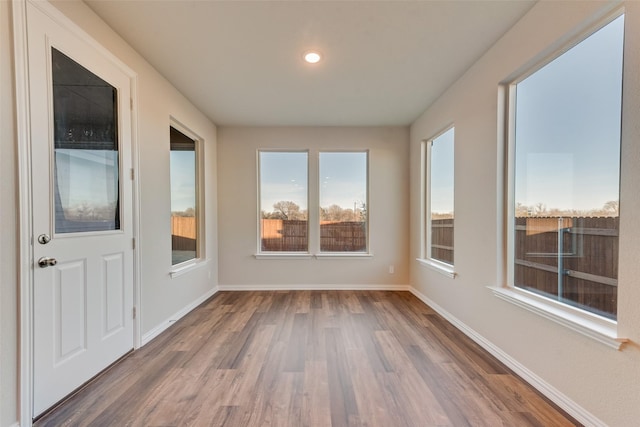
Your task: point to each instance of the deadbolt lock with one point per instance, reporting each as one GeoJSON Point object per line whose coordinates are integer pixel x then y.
{"type": "Point", "coordinates": [43, 239]}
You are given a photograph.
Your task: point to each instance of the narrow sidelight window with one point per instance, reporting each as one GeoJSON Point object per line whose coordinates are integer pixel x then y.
{"type": "Point", "coordinates": [184, 198]}
{"type": "Point", "coordinates": [283, 201]}
{"type": "Point", "coordinates": [440, 211]}
{"type": "Point", "coordinates": [565, 160]}
{"type": "Point", "coordinates": [343, 202]}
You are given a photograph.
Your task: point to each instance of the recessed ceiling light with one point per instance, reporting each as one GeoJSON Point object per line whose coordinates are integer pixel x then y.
{"type": "Point", "coordinates": [312, 57]}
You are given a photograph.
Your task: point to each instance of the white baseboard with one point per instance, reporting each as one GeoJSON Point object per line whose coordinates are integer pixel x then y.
{"type": "Point", "coordinates": [176, 316]}
{"type": "Point", "coordinates": [557, 397]}
{"type": "Point", "coordinates": [313, 287]}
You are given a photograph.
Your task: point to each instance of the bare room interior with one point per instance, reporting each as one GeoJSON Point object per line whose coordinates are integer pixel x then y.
{"type": "Point", "coordinates": [319, 213]}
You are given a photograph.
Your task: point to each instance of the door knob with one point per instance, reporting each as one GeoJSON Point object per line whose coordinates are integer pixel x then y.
{"type": "Point", "coordinates": [45, 262]}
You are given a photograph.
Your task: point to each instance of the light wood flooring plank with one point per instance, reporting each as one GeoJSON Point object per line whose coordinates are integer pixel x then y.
{"type": "Point", "coordinates": [309, 359]}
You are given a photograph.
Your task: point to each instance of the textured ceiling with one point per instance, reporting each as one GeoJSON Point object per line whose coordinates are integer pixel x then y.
{"type": "Point", "coordinates": [240, 62]}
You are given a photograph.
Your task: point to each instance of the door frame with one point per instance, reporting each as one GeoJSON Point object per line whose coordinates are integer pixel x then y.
{"type": "Point", "coordinates": [25, 227]}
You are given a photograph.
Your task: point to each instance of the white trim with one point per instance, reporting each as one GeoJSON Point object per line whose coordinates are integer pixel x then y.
{"type": "Point", "coordinates": [509, 190]}
{"type": "Point", "coordinates": [23, 128]}
{"type": "Point", "coordinates": [440, 267]}
{"type": "Point", "coordinates": [423, 199]}
{"type": "Point", "coordinates": [592, 326]}
{"type": "Point", "coordinates": [283, 255]}
{"type": "Point", "coordinates": [313, 287]}
{"type": "Point", "coordinates": [343, 255]}
{"type": "Point", "coordinates": [135, 188]}
{"type": "Point", "coordinates": [187, 267]}
{"type": "Point", "coordinates": [307, 255]}
{"type": "Point", "coordinates": [16, 424]}
{"type": "Point", "coordinates": [166, 324]}
{"type": "Point", "coordinates": [555, 395]}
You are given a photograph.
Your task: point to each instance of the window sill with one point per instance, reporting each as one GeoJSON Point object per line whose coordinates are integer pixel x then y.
{"type": "Point", "coordinates": [592, 326]}
{"type": "Point", "coordinates": [306, 255]}
{"type": "Point", "coordinates": [438, 266]}
{"type": "Point", "coordinates": [344, 255]}
{"type": "Point", "coordinates": [283, 255]}
{"type": "Point", "coordinates": [186, 267]}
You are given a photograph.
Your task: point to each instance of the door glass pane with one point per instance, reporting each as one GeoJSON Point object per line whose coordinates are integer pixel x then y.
{"type": "Point", "coordinates": [86, 178]}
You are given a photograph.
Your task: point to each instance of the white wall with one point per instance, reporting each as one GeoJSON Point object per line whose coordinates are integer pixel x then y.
{"type": "Point", "coordinates": [604, 382]}
{"type": "Point", "coordinates": [388, 201]}
{"type": "Point", "coordinates": [157, 101]}
{"type": "Point", "coordinates": [8, 226]}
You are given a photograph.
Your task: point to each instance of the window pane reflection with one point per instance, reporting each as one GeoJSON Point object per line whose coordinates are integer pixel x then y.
{"type": "Point", "coordinates": [441, 195]}
{"type": "Point", "coordinates": [343, 202]}
{"type": "Point", "coordinates": [86, 178]}
{"type": "Point", "coordinates": [567, 175]}
{"type": "Point", "coordinates": [283, 202]}
{"type": "Point", "coordinates": [184, 209]}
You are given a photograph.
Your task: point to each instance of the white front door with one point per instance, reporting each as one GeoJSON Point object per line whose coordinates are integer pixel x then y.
{"type": "Point", "coordinates": [81, 210]}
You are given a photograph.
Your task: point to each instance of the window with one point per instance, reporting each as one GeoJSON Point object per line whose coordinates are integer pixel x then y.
{"type": "Point", "coordinates": [343, 202]}
{"type": "Point", "coordinates": [439, 198]}
{"type": "Point", "coordinates": [283, 201]}
{"type": "Point", "coordinates": [438, 203]}
{"type": "Point", "coordinates": [184, 197]}
{"type": "Point", "coordinates": [565, 173]}
{"type": "Point", "coordinates": [339, 196]}
{"type": "Point", "coordinates": [87, 189]}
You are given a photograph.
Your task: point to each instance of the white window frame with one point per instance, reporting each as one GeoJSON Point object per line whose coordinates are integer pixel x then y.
{"type": "Point", "coordinates": [260, 254]}
{"type": "Point", "coordinates": [425, 235]}
{"type": "Point", "coordinates": [200, 259]}
{"type": "Point", "coordinates": [313, 210]}
{"type": "Point", "coordinates": [329, 255]}
{"type": "Point", "coordinates": [596, 327]}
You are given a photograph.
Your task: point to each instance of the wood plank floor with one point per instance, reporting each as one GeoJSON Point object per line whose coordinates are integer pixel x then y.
{"type": "Point", "coordinates": [309, 358]}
